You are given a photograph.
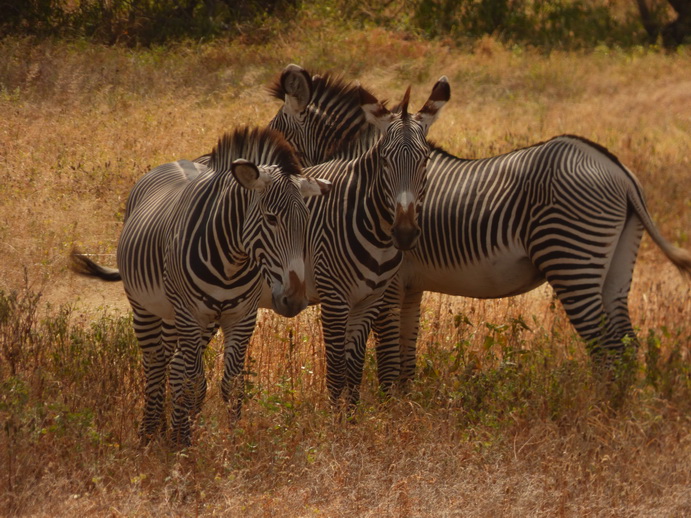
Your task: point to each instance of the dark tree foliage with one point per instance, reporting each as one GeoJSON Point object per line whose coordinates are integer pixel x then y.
{"type": "Point", "coordinates": [138, 22]}
{"type": "Point", "coordinates": [546, 23]}
{"type": "Point", "coordinates": [673, 33]}
{"type": "Point", "coordinates": [543, 23]}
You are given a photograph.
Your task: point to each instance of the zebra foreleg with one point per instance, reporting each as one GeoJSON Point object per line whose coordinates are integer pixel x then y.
{"type": "Point", "coordinates": [334, 320]}
{"type": "Point", "coordinates": [236, 335]}
{"type": "Point", "coordinates": [187, 368]}
{"type": "Point", "coordinates": [200, 382]}
{"type": "Point", "coordinates": [410, 325]}
{"type": "Point", "coordinates": [386, 328]}
{"type": "Point", "coordinates": [359, 325]}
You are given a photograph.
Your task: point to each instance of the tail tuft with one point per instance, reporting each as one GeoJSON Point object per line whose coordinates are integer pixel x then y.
{"type": "Point", "coordinates": [82, 265]}
{"type": "Point", "coordinates": [681, 259]}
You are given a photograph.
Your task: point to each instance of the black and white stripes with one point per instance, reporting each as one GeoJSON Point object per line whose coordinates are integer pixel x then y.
{"type": "Point", "coordinates": [199, 242]}
{"type": "Point", "coordinates": [565, 211]}
{"type": "Point", "coordinates": [356, 234]}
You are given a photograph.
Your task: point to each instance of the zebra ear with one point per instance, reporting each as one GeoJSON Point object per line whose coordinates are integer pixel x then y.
{"type": "Point", "coordinates": [248, 175]}
{"type": "Point", "coordinates": [375, 112]}
{"type": "Point", "coordinates": [313, 186]}
{"type": "Point", "coordinates": [441, 93]}
{"type": "Point", "coordinates": [297, 85]}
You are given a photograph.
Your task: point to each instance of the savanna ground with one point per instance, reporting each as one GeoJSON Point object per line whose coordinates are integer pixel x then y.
{"type": "Point", "coordinates": [504, 418]}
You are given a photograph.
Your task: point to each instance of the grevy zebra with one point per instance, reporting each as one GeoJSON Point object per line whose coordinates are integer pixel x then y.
{"type": "Point", "coordinates": [355, 235]}
{"type": "Point", "coordinates": [198, 244]}
{"type": "Point", "coordinates": [565, 211]}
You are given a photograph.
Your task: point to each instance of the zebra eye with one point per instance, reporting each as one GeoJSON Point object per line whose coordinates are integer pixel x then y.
{"type": "Point", "coordinates": [271, 219]}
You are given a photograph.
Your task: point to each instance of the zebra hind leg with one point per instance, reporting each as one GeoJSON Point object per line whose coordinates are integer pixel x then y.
{"type": "Point", "coordinates": [147, 328]}
{"type": "Point", "coordinates": [607, 347]}
{"type": "Point", "coordinates": [615, 291]}
{"type": "Point", "coordinates": [620, 336]}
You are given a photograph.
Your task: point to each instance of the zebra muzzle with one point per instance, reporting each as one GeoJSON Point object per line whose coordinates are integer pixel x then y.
{"type": "Point", "coordinates": [289, 298]}
{"type": "Point", "coordinates": [405, 230]}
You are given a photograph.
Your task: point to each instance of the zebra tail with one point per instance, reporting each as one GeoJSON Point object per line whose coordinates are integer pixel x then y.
{"type": "Point", "coordinates": [82, 265]}
{"type": "Point", "coordinates": [680, 258]}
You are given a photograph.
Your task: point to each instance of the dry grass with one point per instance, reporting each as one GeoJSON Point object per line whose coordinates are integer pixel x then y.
{"type": "Point", "coordinates": [477, 436]}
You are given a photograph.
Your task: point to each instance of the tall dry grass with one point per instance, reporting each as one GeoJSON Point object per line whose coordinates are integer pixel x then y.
{"type": "Point", "coordinates": [504, 418]}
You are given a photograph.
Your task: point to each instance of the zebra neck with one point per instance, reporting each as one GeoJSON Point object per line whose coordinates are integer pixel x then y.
{"type": "Point", "coordinates": [218, 238]}
{"type": "Point", "coordinates": [377, 212]}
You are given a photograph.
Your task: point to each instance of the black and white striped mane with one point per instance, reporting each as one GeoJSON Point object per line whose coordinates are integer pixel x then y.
{"type": "Point", "coordinates": [339, 101]}
{"type": "Point", "coordinates": [261, 146]}
{"type": "Point", "coordinates": [330, 93]}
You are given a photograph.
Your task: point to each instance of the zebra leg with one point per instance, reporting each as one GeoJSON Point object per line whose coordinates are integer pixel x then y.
{"type": "Point", "coordinates": [620, 344]}
{"type": "Point", "coordinates": [236, 334]}
{"type": "Point", "coordinates": [186, 368]}
{"type": "Point", "coordinates": [200, 381]}
{"type": "Point", "coordinates": [359, 324]}
{"type": "Point", "coordinates": [147, 328]}
{"type": "Point", "coordinates": [615, 292]}
{"type": "Point", "coordinates": [595, 296]}
{"type": "Point", "coordinates": [386, 327]}
{"type": "Point", "coordinates": [410, 325]}
{"type": "Point", "coordinates": [576, 257]}
{"type": "Point", "coordinates": [334, 316]}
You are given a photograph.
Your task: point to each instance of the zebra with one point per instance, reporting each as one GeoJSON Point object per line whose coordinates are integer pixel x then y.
{"type": "Point", "coordinates": [199, 241]}
{"type": "Point", "coordinates": [356, 236]}
{"type": "Point", "coordinates": [349, 261]}
{"type": "Point", "coordinates": [565, 211]}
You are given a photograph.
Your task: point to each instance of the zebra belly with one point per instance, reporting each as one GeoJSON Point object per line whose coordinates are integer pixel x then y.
{"type": "Point", "coordinates": [154, 301]}
{"type": "Point", "coordinates": [490, 277]}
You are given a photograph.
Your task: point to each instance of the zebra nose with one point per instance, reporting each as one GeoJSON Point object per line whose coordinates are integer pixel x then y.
{"type": "Point", "coordinates": [405, 230]}
{"type": "Point", "coordinates": [405, 238]}
{"type": "Point", "coordinates": [290, 298]}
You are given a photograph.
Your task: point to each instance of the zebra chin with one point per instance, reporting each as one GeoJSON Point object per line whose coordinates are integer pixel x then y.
{"type": "Point", "coordinates": [288, 306]}
{"type": "Point", "coordinates": [289, 299]}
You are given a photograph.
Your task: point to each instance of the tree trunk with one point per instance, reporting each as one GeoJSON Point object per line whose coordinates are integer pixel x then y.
{"type": "Point", "coordinates": [675, 32]}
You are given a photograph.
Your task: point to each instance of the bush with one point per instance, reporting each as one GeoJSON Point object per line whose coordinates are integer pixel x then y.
{"type": "Point", "coordinates": [140, 22]}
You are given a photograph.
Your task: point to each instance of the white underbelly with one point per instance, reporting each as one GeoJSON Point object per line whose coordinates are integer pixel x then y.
{"type": "Point", "coordinates": [153, 301]}
{"type": "Point", "coordinates": [493, 277]}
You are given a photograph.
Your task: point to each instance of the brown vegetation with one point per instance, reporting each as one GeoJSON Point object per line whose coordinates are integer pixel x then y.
{"type": "Point", "coordinates": [504, 419]}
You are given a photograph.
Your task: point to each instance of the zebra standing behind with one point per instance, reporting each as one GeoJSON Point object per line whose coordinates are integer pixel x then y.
{"type": "Point", "coordinates": [198, 243]}
{"type": "Point", "coordinates": [565, 211]}
{"type": "Point", "coordinates": [355, 237]}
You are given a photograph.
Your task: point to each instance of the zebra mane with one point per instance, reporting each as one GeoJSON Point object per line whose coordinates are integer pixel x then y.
{"type": "Point", "coordinates": [327, 91]}
{"type": "Point", "coordinates": [338, 101]}
{"type": "Point", "coordinates": [403, 105]}
{"type": "Point", "coordinates": [262, 146]}
{"type": "Point", "coordinates": [334, 93]}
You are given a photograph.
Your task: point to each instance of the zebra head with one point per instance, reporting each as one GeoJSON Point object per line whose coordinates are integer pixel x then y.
{"type": "Point", "coordinates": [275, 220]}
{"type": "Point", "coordinates": [403, 153]}
{"type": "Point", "coordinates": [320, 115]}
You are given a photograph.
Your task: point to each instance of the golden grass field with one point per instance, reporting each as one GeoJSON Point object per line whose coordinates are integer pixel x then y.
{"type": "Point", "coordinates": [502, 420]}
